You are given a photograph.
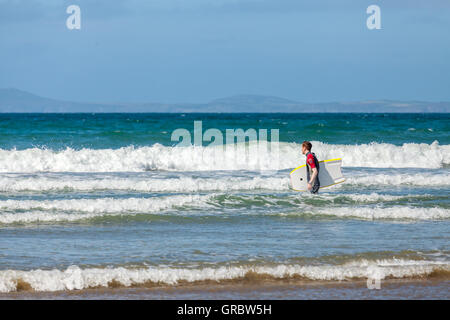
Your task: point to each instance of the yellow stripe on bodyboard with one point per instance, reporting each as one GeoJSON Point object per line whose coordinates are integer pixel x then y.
{"type": "Point", "coordinates": [304, 165]}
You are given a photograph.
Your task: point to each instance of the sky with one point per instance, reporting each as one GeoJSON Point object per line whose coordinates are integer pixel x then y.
{"type": "Point", "coordinates": [198, 50]}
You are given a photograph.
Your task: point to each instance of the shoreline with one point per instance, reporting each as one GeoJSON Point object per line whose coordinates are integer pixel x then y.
{"type": "Point", "coordinates": [429, 288]}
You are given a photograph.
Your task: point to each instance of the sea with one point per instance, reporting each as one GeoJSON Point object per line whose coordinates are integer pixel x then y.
{"type": "Point", "coordinates": [165, 206]}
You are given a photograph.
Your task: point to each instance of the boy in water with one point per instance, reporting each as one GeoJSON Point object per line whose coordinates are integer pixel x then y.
{"type": "Point", "coordinates": [312, 164]}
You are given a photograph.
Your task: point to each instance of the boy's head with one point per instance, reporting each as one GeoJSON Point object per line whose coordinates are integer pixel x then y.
{"type": "Point", "coordinates": [306, 147]}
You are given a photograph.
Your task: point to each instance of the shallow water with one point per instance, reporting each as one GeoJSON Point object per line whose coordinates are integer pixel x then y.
{"type": "Point", "coordinates": [100, 200]}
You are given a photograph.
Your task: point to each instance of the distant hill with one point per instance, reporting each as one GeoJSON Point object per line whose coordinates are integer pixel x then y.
{"type": "Point", "coordinates": [14, 100]}
{"type": "Point", "coordinates": [255, 103]}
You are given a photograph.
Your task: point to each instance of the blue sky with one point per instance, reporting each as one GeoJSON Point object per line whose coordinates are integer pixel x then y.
{"type": "Point", "coordinates": [198, 50]}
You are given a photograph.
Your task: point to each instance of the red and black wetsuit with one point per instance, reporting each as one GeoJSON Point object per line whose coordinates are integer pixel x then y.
{"type": "Point", "coordinates": [311, 163]}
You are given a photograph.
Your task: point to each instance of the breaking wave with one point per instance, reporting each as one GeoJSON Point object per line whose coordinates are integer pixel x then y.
{"type": "Point", "coordinates": [76, 278]}
{"type": "Point", "coordinates": [387, 213]}
{"type": "Point", "coordinates": [252, 156]}
{"type": "Point", "coordinates": [141, 184]}
{"type": "Point", "coordinates": [31, 211]}
{"type": "Point", "coordinates": [350, 206]}
{"type": "Point", "coordinates": [64, 183]}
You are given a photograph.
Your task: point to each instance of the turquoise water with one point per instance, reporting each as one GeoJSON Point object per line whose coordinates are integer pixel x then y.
{"type": "Point", "coordinates": [99, 131]}
{"type": "Point", "coordinates": [89, 200]}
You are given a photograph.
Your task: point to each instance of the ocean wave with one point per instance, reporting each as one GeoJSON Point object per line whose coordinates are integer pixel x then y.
{"type": "Point", "coordinates": [105, 205]}
{"type": "Point", "coordinates": [314, 202]}
{"type": "Point", "coordinates": [349, 206]}
{"type": "Point", "coordinates": [142, 184]}
{"type": "Point", "coordinates": [76, 278]}
{"type": "Point", "coordinates": [396, 179]}
{"type": "Point", "coordinates": [251, 156]}
{"type": "Point", "coordinates": [387, 213]}
{"type": "Point", "coordinates": [45, 182]}
{"type": "Point", "coordinates": [84, 209]}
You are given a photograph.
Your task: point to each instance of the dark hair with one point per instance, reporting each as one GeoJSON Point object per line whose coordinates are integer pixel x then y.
{"type": "Point", "coordinates": [307, 145]}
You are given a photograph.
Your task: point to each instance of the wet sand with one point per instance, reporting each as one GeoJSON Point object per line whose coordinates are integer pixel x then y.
{"type": "Point", "coordinates": [434, 289]}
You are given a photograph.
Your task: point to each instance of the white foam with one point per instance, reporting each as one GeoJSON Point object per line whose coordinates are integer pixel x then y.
{"type": "Point", "coordinates": [396, 179]}
{"type": "Point", "coordinates": [75, 278]}
{"type": "Point", "coordinates": [81, 209]}
{"type": "Point", "coordinates": [299, 201]}
{"type": "Point", "coordinates": [40, 217]}
{"type": "Point", "coordinates": [383, 155]}
{"type": "Point", "coordinates": [32, 211]}
{"type": "Point", "coordinates": [364, 198]}
{"type": "Point", "coordinates": [45, 182]}
{"type": "Point", "coordinates": [195, 158]}
{"type": "Point", "coordinates": [143, 184]}
{"type": "Point", "coordinates": [394, 213]}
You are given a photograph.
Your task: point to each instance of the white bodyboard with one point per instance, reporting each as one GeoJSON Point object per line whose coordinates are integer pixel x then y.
{"type": "Point", "coordinates": [329, 174]}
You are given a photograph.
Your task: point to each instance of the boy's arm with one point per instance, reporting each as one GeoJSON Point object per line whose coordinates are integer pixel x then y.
{"type": "Point", "coordinates": [313, 176]}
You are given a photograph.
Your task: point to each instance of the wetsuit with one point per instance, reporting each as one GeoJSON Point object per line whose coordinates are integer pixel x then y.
{"type": "Point", "coordinates": [311, 163]}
